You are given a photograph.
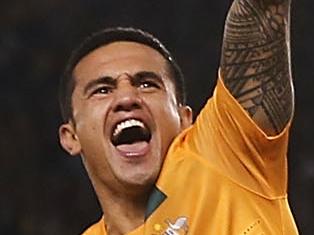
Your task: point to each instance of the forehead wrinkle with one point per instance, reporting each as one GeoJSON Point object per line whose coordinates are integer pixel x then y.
{"type": "Point", "coordinates": [98, 62]}
{"type": "Point", "coordinates": [118, 52]}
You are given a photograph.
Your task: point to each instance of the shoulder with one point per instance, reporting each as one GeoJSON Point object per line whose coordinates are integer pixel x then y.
{"type": "Point", "coordinates": [96, 229]}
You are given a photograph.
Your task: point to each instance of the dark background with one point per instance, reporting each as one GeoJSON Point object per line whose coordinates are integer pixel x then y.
{"type": "Point", "coordinates": [42, 190]}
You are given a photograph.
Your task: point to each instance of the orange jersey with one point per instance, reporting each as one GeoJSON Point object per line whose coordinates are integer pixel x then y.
{"type": "Point", "coordinates": [222, 176]}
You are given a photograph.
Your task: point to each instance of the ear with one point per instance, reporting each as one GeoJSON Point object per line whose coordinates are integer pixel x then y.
{"type": "Point", "coordinates": [186, 116]}
{"type": "Point", "coordinates": [68, 139]}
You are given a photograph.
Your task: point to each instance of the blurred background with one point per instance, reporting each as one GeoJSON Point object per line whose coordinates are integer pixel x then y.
{"type": "Point", "coordinates": [44, 191]}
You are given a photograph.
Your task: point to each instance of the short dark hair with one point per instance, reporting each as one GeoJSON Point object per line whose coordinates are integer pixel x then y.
{"type": "Point", "coordinates": [105, 37]}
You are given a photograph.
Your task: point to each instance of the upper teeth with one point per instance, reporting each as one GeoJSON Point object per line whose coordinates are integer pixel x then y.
{"type": "Point", "coordinates": [127, 124]}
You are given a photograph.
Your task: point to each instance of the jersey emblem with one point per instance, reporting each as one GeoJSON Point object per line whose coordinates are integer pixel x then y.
{"type": "Point", "coordinates": [178, 227]}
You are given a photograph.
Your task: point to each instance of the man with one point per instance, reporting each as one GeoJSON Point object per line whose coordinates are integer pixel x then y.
{"type": "Point", "coordinates": [153, 172]}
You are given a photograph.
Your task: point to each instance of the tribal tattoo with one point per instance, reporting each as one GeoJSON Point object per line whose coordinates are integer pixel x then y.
{"type": "Point", "coordinates": [255, 60]}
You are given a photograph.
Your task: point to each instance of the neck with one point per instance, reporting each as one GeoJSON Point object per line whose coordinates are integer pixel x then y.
{"type": "Point", "coordinates": [123, 212]}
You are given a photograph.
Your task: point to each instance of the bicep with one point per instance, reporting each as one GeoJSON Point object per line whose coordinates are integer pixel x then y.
{"type": "Point", "coordinates": [227, 138]}
{"type": "Point", "coordinates": [255, 63]}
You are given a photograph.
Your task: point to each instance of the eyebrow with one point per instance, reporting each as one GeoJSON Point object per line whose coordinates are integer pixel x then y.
{"type": "Point", "coordinates": [102, 80]}
{"type": "Point", "coordinates": [113, 82]}
{"type": "Point", "coordinates": [146, 74]}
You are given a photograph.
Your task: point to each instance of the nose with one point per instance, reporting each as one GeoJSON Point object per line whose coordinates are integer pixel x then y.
{"type": "Point", "coordinates": [126, 97]}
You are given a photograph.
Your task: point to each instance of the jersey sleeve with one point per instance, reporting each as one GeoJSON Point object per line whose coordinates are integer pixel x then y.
{"type": "Point", "coordinates": [232, 144]}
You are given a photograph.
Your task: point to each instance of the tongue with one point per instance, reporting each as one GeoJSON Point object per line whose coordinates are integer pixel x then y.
{"type": "Point", "coordinates": [135, 149]}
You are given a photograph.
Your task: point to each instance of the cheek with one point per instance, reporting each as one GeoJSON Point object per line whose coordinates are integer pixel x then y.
{"type": "Point", "coordinates": [90, 123]}
{"type": "Point", "coordinates": [91, 112]}
{"type": "Point", "coordinates": [167, 115]}
{"type": "Point", "coordinates": [172, 109]}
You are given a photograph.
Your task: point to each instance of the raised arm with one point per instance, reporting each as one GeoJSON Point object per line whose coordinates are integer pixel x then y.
{"type": "Point", "coordinates": [255, 63]}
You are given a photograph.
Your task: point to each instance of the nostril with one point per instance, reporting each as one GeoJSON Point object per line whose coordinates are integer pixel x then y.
{"type": "Point", "coordinates": [127, 105]}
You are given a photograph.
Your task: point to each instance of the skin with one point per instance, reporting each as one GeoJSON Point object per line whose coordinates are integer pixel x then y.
{"type": "Point", "coordinates": [122, 183]}
{"type": "Point", "coordinates": [255, 67]}
{"type": "Point", "coordinates": [255, 63]}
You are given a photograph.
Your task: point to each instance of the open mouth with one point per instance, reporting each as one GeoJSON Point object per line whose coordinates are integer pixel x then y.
{"type": "Point", "coordinates": [130, 132]}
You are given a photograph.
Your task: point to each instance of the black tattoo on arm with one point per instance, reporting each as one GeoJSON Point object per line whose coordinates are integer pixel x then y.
{"type": "Point", "coordinates": [255, 62]}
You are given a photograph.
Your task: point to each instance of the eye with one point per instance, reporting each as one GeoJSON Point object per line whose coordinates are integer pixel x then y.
{"type": "Point", "coordinates": [103, 90]}
{"type": "Point", "coordinates": [146, 84]}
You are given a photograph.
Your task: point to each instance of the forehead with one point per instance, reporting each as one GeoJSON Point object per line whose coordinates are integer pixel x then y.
{"type": "Point", "coordinates": [120, 57]}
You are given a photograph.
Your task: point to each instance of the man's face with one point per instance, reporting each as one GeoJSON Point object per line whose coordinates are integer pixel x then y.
{"type": "Point", "coordinates": [125, 114]}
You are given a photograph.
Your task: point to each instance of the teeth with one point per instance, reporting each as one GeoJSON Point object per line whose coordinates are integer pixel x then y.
{"type": "Point", "coordinates": [127, 124]}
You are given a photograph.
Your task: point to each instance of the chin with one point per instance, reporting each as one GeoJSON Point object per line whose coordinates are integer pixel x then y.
{"type": "Point", "coordinates": [139, 182]}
